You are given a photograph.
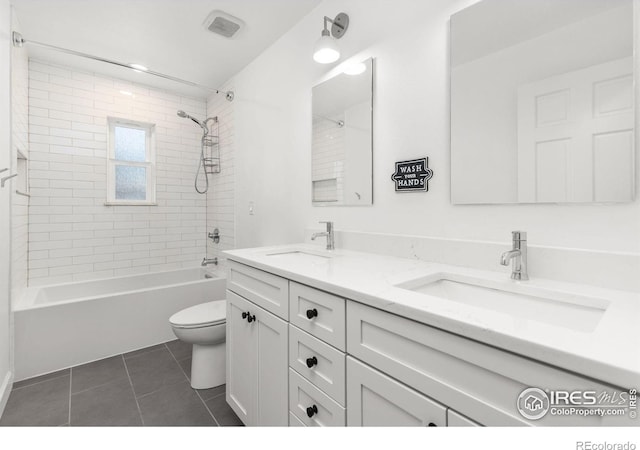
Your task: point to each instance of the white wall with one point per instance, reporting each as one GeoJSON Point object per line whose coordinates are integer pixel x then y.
{"type": "Point", "coordinates": [273, 140]}
{"type": "Point", "coordinates": [5, 204]}
{"type": "Point", "coordinates": [19, 141]}
{"type": "Point", "coordinates": [220, 197]}
{"type": "Point", "coordinates": [72, 234]}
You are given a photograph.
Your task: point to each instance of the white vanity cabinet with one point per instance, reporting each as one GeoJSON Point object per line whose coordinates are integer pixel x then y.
{"type": "Point", "coordinates": [476, 380]}
{"type": "Point", "coordinates": [301, 356]}
{"type": "Point", "coordinates": [257, 355]}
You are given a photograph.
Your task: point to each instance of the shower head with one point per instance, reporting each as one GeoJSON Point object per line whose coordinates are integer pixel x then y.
{"type": "Point", "coordinates": [184, 115]}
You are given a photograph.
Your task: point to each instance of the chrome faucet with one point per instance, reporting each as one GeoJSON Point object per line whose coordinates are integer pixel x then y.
{"type": "Point", "coordinates": [206, 261]}
{"type": "Point", "coordinates": [519, 256]}
{"type": "Point", "coordinates": [328, 234]}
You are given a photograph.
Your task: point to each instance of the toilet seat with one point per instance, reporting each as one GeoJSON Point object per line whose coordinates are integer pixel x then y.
{"type": "Point", "coordinates": [200, 316]}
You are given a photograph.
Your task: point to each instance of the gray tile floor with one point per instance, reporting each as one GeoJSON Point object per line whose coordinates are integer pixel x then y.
{"type": "Point", "coordinates": [148, 387]}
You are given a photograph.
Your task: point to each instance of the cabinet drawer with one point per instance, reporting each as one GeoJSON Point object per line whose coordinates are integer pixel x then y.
{"type": "Point", "coordinates": [376, 400]}
{"type": "Point", "coordinates": [479, 381]}
{"type": "Point", "coordinates": [318, 313]}
{"type": "Point", "coordinates": [328, 368]}
{"type": "Point", "coordinates": [303, 396]}
{"type": "Point", "coordinates": [294, 421]}
{"type": "Point", "coordinates": [458, 420]}
{"type": "Point", "coordinates": [269, 291]}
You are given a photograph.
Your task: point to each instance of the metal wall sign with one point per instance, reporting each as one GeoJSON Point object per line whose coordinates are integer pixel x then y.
{"type": "Point", "coordinates": [413, 175]}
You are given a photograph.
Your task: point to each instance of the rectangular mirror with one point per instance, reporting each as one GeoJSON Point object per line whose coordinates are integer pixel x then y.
{"type": "Point", "coordinates": [542, 102]}
{"type": "Point", "coordinates": [342, 155]}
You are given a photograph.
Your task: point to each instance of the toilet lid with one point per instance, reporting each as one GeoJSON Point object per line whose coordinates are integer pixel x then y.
{"type": "Point", "coordinates": [209, 313]}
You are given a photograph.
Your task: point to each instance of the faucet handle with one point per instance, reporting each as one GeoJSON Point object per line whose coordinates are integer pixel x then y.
{"type": "Point", "coordinates": [519, 235]}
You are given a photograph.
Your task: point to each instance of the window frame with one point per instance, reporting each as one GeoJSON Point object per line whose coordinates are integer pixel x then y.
{"type": "Point", "coordinates": [149, 163]}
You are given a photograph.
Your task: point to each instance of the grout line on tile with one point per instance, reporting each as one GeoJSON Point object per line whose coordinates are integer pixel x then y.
{"type": "Point", "coordinates": [207, 408]}
{"type": "Point", "coordinates": [133, 391]}
{"type": "Point", "coordinates": [98, 386]}
{"type": "Point", "coordinates": [194, 390]}
{"type": "Point", "coordinates": [40, 382]}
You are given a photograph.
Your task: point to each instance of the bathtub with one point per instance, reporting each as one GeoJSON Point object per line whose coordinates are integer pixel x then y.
{"type": "Point", "coordinates": [64, 325]}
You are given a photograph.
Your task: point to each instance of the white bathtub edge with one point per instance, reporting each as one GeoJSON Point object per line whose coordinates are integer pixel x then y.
{"type": "Point", "coordinates": [27, 299]}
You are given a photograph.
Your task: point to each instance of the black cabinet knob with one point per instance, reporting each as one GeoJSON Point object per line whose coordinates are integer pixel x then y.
{"type": "Point", "coordinates": [431, 424]}
{"type": "Point", "coordinates": [312, 362]}
{"type": "Point", "coordinates": [311, 313]}
{"type": "Point", "coordinates": [244, 315]}
{"type": "Point", "coordinates": [311, 410]}
{"type": "Point", "coordinates": [251, 318]}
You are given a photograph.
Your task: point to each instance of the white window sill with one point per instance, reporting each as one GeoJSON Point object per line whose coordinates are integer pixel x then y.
{"type": "Point", "coordinates": [130, 203]}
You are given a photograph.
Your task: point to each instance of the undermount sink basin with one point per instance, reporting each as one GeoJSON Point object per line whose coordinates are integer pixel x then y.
{"type": "Point", "coordinates": [300, 255]}
{"type": "Point", "coordinates": [517, 300]}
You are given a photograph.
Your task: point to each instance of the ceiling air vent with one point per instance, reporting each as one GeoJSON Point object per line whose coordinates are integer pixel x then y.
{"type": "Point", "coordinates": [223, 24]}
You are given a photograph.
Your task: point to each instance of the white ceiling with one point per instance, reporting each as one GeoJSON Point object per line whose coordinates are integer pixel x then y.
{"type": "Point", "coordinates": [166, 36]}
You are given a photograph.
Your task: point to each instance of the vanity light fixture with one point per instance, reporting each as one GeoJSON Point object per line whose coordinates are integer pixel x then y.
{"type": "Point", "coordinates": [326, 50]}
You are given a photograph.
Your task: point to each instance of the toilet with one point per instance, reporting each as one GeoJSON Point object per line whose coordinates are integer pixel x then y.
{"type": "Point", "coordinates": [203, 326]}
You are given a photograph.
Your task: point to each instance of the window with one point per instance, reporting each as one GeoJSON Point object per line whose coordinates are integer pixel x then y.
{"type": "Point", "coordinates": [131, 178]}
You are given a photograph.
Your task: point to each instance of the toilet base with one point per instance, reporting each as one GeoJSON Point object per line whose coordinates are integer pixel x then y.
{"type": "Point", "coordinates": [208, 366]}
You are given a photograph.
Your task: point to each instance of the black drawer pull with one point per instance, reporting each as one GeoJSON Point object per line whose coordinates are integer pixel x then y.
{"type": "Point", "coordinates": [312, 362]}
{"type": "Point", "coordinates": [431, 424]}
{"type": "Point", "coordinates": [311, 313]}
{"type": "Point", "coordinates": [247, 315]}
{"type": "Point", "coordinates": [311, 410]}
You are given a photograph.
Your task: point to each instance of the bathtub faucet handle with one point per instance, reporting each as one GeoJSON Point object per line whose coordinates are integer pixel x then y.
{"type": "Point", "coordinates": [206, 261]}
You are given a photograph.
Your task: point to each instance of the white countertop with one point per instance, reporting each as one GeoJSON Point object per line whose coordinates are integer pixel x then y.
{"type": "Point", "coordinates": [610, 352]}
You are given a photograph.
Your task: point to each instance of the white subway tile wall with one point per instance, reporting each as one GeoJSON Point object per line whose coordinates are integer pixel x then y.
{"type": "Point", "coordinates": [328, 158]}
{"type": "Point", "coordinates": [73, 235]}
{"type": "Point", "coordinates": [19, 141]}
{"type": "Point", "coordinates": [220, 198]}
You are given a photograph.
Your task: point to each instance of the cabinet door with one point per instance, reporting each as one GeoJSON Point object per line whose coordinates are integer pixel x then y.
{"type": "Point", "coordinates": [377, 400]}
{"type": "Point", "coordinates": [272, 359]}
{"type": "Point", "coordinates": [241, 360]}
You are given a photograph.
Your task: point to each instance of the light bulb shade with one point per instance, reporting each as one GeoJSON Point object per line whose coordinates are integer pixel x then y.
{"type": "Point", "coordinates": [326, 50]}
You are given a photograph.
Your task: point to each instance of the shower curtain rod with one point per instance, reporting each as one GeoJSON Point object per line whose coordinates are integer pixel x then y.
{"type": "Point", "coordinates": [19, 41]}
